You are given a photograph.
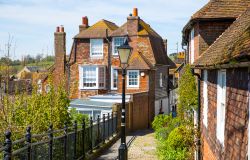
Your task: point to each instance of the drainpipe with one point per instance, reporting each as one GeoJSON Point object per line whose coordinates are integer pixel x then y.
{"type": "Point", "coordinates": [109, 62]}
{"type": "Point", "coordinates": [198, 144]}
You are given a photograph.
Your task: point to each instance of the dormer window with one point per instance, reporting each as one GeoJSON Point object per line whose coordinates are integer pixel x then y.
{"type": "Point", "coordinates": [117, 41]}
{"type": "Point", "coordinates": [96, 47]}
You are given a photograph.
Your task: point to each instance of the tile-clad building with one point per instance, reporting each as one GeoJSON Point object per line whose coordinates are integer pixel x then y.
{"type": "Point", "coordinates": [225, 68]}
{"type": "Point", "coordinates": [94, 67]}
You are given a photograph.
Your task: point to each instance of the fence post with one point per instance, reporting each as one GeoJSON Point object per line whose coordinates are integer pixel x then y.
{"type": "Point", "coordinates": [50, 142]}
{"type": "Point", "coordinates": [98, 130]}
{"type": "Point", "coordinates": [91, 134]}
{"type": "Point", "coordinates": [112, 124]}
{"type": "Point", "coordinates": [103, 135]}
{"type": "Point", "coordinates": [7, 146]}
{"type": "Point", "coordinates": [65, 140]}
{"type": "Point", "coordinates": [75, 139]}
{"type": "Point", "coordinates": [83, 137]}
{"type": "Point", "coordinates": [108, 125]}
{"type": "Point", "coordinates": [28, 140]}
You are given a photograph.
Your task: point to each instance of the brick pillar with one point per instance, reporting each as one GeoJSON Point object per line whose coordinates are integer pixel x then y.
{"type": "Point", "coordinates": [60, 54]}
{"type": "Point", "coordinates": [133, 23]}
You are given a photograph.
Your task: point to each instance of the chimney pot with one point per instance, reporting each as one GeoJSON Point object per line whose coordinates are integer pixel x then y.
{"type": "Point", "coordinates": [57, 29]}
{"type": "Point", "coordinates": [85, 21]}
{"type": "Point", "coordinates": [135, 12]}
{"type": "Point", "coordinates": [61, 29]}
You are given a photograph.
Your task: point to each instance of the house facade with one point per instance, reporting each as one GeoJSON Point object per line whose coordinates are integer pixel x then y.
{"type": "Point", "coordinates": [223, 64]}
{"type": "Point", "coordinates": [93, 67]}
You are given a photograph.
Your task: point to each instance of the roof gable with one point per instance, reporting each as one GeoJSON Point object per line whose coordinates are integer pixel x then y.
{"type": "Point", "coordinates": [98, 30]}
{"type": "Point", "coordinates": [138, 61]}
{"type": "Point", "coordinates": [234, 43]}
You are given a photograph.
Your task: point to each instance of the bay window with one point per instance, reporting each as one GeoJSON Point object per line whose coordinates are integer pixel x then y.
{"type": "Point", "coordinates": [133, 78]}
{"type": "Point", "coordinates": [117, 41]}
{"type": "Point", "coordinates": [92, 77]}
{"type": "Point", "coordinates": [96, 47]}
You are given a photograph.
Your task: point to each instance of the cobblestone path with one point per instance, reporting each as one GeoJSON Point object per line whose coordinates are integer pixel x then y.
{"type": "Point", "coordinates": [143, 147]}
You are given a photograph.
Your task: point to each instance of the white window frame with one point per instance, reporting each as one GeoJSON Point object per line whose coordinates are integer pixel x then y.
{"type": "Point", "coordinates": [81, 86]}
{"type": "Point", "coordinates": [191, 55]}
{"type": "Point", "coordinates": [138, 80]}
{"type": "Point", "coordinates": [221, 106]}
{"type": "Point", "coordinates": [113, 45]}
{"type": "Point", "coordinates": [161, 80]}
{"type": "Point", "coordinates": [90, 48]}
{"type": "Point", "coordinates": [112, 78]}
{"type": "Point", "coordinates": [205, 98]}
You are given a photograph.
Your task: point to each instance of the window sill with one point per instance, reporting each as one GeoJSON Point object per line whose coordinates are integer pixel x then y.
{"type": "Point", "coordinates": [96, 57]}
{"type": "Point", "coordinates": [130, 88]}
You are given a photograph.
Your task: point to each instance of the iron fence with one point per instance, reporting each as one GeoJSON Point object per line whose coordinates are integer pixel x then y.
{"type": "Point", "coordinates": [68, 143]}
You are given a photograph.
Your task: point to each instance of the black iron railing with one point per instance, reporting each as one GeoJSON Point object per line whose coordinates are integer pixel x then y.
{"type": "Point", "coordinates": [69, 143]}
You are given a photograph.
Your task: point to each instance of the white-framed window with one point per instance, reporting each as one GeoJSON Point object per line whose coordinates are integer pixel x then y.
{"type": "Point", "coordinates": [91, 77]}
{"type": "Point", "coordinates": [117, 41]}
{"type": "Point", "coordinates": [221, 105]}
{"type": "Point", "coordinates": [160, 80]}
{"type": "Point", "coordinates": [114, 79]}
{"type": "Point", "coordinates": [96, 47]}
{"type": "Point", "coordinates": [39, 86]}
{"type": "Point", "coordinates": [47, 88]}
{"type": "Point", "coordinates": [133, 78]}
{"type": "Point", "coordinates": [191, 53]}
{"type": "Point", "coordinates": [205, 98]}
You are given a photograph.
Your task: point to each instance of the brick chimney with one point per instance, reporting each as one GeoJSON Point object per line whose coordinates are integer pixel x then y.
{"type": "Point", "coordinates": [60, 51]}
{"type": "Point", "coordinates": [85, 24]}
{"type": "Point", "coordinates": [133, 23]}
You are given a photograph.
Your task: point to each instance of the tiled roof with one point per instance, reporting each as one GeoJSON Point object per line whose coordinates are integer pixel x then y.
{"type": "Point", "coordinates": [222, 9]}
{"type": "Point", "coordinates": [98, 30]}
{"type": "Point", "coordinates": [233, 44]}
{"type": "Point", "coordinates": [138, 61]}
{"type": "Point", "coordinates": [144, 30]}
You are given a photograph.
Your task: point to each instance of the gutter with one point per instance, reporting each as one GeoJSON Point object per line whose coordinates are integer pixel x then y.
{"type": "Point", "coordinates": [198, 141]}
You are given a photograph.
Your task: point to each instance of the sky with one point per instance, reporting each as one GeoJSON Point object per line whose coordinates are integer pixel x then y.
{"type": "Point", "coordinates": [30, 24]}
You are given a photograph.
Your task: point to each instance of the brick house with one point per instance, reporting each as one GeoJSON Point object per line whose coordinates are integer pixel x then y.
{"type": "Point", "coordinates": [93, 66]}
{"type": "Point", "coordinates": [207, 24]}
{"type": "Point", "coordinates": [219, 49]}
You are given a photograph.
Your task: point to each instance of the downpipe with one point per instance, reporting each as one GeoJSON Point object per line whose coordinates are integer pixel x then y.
{"type": "Point", "coordinates": [198, 141]}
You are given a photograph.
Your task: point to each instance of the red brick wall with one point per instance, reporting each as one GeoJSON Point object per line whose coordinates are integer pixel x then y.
{"type": "Point", "coordinates": [236, 116]}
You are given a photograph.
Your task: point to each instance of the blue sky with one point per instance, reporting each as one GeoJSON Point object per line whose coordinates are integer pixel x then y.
{"type": "Point", "coordinates": [32, 23]}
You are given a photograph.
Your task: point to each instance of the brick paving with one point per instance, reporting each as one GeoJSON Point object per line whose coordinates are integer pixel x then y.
{"type": "Point", "coordinates": [141, 145]}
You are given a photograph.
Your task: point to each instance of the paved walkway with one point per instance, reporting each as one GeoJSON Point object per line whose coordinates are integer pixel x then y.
{"type": "Point", "coordinates": [141, 145]}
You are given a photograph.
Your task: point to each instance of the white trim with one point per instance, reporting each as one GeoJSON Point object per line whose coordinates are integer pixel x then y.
{"type": "Point", "coordinates": [81, 87]}
{"type": "Point", "coordinates": [161, 80]}
{"type": "Point", "coordinates": [138, 80]}
{"type": "Point", "coordinates": [221, 105]}
{"type": "Point", "coordinates": [90, 49]}
{"type": "Point", "coordinates": [205, 98]}
{"type": "Point", "coordinates": [192, 46]}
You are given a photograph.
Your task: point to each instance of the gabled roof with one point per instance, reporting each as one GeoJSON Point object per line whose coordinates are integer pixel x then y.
{"type": "Point", "coordinates": [233, 44]}
{"type": "Point", "coordinates": [98, 30]}
{"type": "Point", "coordinates": [222, 9]}
{"type": "Point", "coordinates": [138, 61]}
{"type": "Point", "coordinates": [219, 10]}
